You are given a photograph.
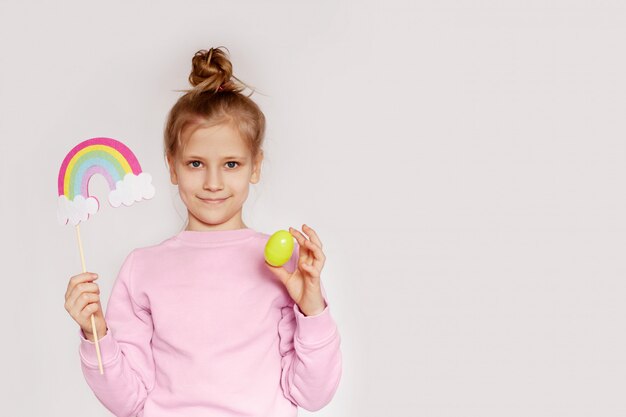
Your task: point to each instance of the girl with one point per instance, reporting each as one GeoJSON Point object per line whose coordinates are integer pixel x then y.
{"type": "Point", "coordinates": [200, 324]}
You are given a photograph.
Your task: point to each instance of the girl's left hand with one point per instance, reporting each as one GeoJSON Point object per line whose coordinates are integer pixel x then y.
{"type": "Point", "coordinates": [303, 284]}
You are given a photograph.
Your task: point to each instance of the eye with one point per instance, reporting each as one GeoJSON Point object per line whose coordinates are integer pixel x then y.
{"type": "Point", "coordinates": [233, 162]}
{"type": "Point", "coordinates": [194, 164]}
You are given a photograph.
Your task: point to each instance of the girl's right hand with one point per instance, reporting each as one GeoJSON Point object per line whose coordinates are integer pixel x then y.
{"type": "Point", "coordinates": [82, 299]}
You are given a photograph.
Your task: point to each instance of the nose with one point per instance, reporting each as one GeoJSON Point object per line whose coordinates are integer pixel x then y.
{"type": "Point", "coordinates": [213, 179]}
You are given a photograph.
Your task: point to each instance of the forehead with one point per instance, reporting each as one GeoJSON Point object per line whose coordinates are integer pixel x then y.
{"type": "Point", "coordinates": [214, 141]}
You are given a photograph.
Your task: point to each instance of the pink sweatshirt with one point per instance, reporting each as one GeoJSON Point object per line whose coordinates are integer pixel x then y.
{"type": "Point", "coordinates": [199, 327]}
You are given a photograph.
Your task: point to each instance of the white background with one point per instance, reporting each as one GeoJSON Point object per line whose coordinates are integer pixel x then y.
{"type": "Point", "coordinates": [463, 163]}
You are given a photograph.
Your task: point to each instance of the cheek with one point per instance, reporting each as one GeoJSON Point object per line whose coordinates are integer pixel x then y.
{"type": "Point", "coordinates": [189, 178]}
{"type": "Point", "coordinates": [241, 182]}
{"type": "Point", "coordinates": [187, 184]}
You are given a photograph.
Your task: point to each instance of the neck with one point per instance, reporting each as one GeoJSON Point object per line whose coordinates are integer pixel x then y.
{"type": "Point", "coordinates": [195, 225]}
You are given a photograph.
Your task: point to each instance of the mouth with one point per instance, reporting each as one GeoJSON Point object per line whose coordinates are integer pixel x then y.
{"type": "Point", "coordinates": [213, 201]}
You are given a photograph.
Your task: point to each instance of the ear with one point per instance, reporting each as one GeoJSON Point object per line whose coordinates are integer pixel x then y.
{"type": "Point", "coordinates": [256, 169]}
{"type": "Point", "coordinates": [173, 176]}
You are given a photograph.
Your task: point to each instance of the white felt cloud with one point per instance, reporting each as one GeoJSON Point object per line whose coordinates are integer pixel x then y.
{"type": "Point", "coordinates": [77, 210]}
{"type": "Point", "coordinates": [132, 188]}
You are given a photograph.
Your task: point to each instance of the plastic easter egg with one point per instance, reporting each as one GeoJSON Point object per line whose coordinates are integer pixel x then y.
{"type": "Point", "coordinates": [279, 248]}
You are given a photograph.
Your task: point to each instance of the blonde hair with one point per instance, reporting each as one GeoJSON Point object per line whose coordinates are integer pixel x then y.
{"type": "Point", "coordinates": [215, 98]}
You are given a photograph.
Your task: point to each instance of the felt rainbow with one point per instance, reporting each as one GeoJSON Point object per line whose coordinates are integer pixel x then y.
{"type": "Point", "coordinates": [108, 157]}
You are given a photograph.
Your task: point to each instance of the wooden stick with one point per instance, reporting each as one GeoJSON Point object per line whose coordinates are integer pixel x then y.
{"type": "Point", "coordinates": [93, 320]}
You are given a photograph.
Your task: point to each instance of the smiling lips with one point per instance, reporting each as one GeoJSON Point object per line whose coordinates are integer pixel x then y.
{"type": "Point", "coordinates": [212, 200]}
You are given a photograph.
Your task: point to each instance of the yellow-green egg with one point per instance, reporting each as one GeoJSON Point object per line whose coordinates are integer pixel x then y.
{"type": "Point", "coordinates": [279, 248]}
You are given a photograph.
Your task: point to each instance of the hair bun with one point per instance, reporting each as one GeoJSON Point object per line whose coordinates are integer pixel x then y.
{"type": "Point", "coordinates": [211, 70]}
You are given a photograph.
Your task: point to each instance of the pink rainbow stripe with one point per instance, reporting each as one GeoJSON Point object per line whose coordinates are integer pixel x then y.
{"type": "Point", "coordinates": [119, 146]}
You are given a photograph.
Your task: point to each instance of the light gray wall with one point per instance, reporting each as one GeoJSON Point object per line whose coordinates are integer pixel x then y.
{"type": "Point", "coordinates": [462, 161]}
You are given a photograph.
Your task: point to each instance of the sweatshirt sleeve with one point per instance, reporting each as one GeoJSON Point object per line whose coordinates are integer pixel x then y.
{"type": "Point", "coordinates": [126, 351]}
{"type": "Point", "coordinates": [311, 356]}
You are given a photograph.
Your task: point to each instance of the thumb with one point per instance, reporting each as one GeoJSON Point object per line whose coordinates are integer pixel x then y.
{"type": "Point", "coordinates": [279, 271]}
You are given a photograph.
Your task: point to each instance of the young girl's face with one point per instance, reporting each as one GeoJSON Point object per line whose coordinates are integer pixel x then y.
{"type": "Point", "coordinates": [215, 164]}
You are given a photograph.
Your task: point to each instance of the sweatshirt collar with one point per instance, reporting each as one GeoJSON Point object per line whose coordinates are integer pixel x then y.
{"type": "Point", "coordinates": [215, 236]}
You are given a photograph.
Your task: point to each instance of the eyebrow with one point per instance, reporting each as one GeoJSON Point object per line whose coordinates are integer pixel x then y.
{"type": "Point", "coordinates": [225, 157]}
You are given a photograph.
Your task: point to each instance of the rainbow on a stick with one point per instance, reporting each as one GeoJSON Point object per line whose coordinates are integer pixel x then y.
{"type": "Point", "coordinates": [109, 158]}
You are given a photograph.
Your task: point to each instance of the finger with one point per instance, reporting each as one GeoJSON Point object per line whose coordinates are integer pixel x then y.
{"type": "Point", "coordinates": [299, 236]}
{"type": "Point", "coordinates": [82, 288]}
{"type": "Point", "coordinates": [310, 269]}
{"type": "Point", "coordinates": [311, 233]}
{"type": "Point", "coordinates": [77, 279]}
{"type": "Point", "coordinates": [89, 310]}
{"type": "Point", "coordinates": [318, 255]}
{"type": "Point", "coordinates": [304, 253]}
{"type": "Point", "coordinates": [82, 301]}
